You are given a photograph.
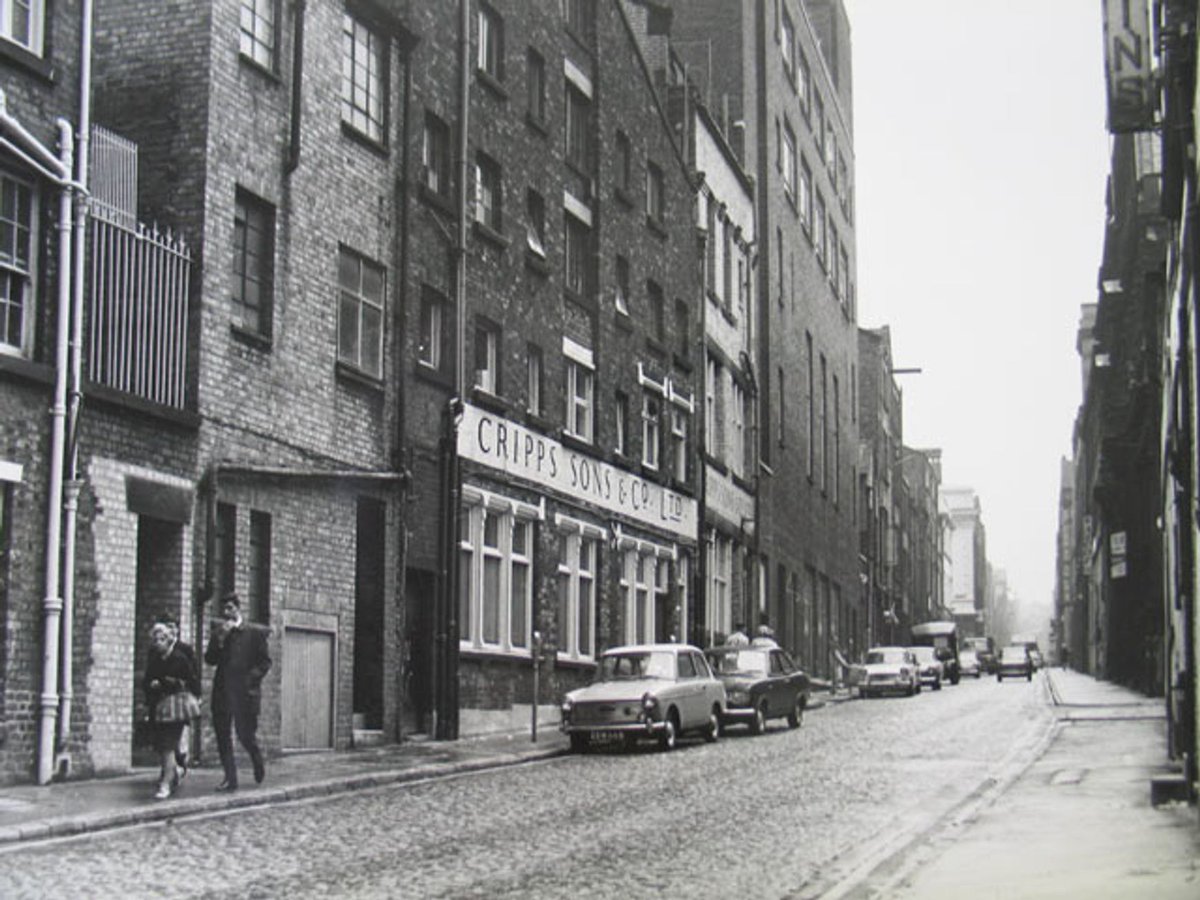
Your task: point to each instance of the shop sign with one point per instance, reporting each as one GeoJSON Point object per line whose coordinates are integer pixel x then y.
{"type": "Point", "coordinates": [511, 448]}
{"type": "Point", "coordinates": [1128, 66]}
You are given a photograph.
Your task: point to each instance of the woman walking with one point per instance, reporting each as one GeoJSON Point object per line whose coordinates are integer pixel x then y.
{"type": "Point", "coordinates": [172, 687]}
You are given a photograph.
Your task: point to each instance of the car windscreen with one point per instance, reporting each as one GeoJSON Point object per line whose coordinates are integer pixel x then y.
{"type": "Point", "coordinates": [641, 664]}
{"type": "Point", "coordinates": [1013, 654]}
{"type": "Point", "coordinates": [923, 654]}
{"type": "Point", "coordinates": [885, 656]}
{"type": "Point", "coordinates": [739, 662]}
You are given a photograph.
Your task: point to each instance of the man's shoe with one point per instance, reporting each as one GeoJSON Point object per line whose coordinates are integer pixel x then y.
{"type": "Point", "coordinates": [163, 792]}
{"type": "Point", "coordinates": [226, 786]}
{"type": "Point", "coordinates": [260, 771]}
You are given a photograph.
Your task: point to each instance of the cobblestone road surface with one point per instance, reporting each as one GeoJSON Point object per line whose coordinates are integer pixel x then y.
{"type": "Point", "coordinates": [765, 814]}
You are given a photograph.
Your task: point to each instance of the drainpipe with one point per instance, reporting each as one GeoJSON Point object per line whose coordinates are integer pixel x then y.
{"type": "Point", "coordinates": [51, 601]}
{"type": "Point", "coordinates": [73, 484]}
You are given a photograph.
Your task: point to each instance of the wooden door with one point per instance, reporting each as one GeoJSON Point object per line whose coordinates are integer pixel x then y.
{"type": "Point", "coordinates": [307, 689]}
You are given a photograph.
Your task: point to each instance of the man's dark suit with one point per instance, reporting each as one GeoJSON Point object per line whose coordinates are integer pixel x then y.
{"type": "Point", "coordinates": [242, 660]}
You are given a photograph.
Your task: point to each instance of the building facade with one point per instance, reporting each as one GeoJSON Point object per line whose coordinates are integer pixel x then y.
{"type": "Point", "coordinates": [966, 577]}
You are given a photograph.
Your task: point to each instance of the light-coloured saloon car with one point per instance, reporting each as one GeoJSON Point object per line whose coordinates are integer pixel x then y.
{"type": "Point", "coordinates": [889, 670]}
{"type": "Point", "coordinates": [646, 691]}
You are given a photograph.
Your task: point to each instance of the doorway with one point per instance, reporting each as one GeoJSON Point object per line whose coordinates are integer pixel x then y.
{"type": "Point", "coordinates": [368, 614]}
{"type": "Point", "coordinates": [419, 591]}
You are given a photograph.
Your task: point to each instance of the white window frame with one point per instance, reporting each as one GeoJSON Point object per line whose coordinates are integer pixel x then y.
{"type": "Point", "coordinates": [533, 380]}
{"type": "Point", "coordinates": [679, 443]}
{"type": "Point", "coordinates": [18, 263]}
{"type": "Point", "coordinates": [487, 379]}
{"type": "Point", "coordinates": [429, 340]}
{"type": "Point", "coordinates": [651, 429]}
{"type": "Point", "coordinates": [363, 88]}
{"type": "Point", "coordinates": [718, 611]}
{"type": "Point", "coordinates": [489, 57]}
{"type": "Point", "coordinates": [363, 304]}
{"type": "Point", "coordinates": [788, 161]}
{"type": "Point", "coordinates": [578, 586]}
{"type": "Point", "coordinates": [621, 406]}
{"type": "Point", "coordinates": [581, 391]}
{"type": "Point", "coordinates": [642, 582]}
{"type": "Point", "coordinates": [34, 38]}
{"type": "Point", "coordinates": [737, 445]}
{"type": "Point", "coordinates": [478, 506]}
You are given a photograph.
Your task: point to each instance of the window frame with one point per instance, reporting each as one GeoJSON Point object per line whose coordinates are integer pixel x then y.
{"type": "Point", "coordinates": [535, 368]}
{"type": "Point", "coordinates": [436, 176]}
{"type": "Point", "coordinates": [651, 429]}
{"type": "Point", "coordinates": [489, 192]}
{"type": "Point", "coordinates": [535, 85]}
{"type": "Point", "coordinates": [262, 17]}
{"type": "Point", "coordinates": [578, 588]}
{"type": "Point", "coordinates": [433, 332]}
{"type": "Point", "coordinates": [580, 372]}
{"type": "Point", "coordinates": [489, 42]}
{"type": "Point", "coordinates": [362, 303]}
{"type": "Point", "coordinates": [369, 122]}
{"type": "Point", "coordinates": [656, 199]}
{"type": "Point", "coordinates": [577, 124]}
{"type": "Point", "coordinates": [34, 42]}
{"type": "Point", "coordinates": [256, 319]}
{"type": "Point", "coordinates": [19, 264]}
{"type": "Point", "coordinates": [487, 379]}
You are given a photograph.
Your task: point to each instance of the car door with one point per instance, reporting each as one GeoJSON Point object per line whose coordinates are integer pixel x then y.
{"type": "Point", "coordinates": [778, 702]}
{"type": "Point", "coordinates": [690, 691]}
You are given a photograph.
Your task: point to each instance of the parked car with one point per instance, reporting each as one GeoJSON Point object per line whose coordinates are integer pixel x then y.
{"type": "Point", "coordinates": [889, 670]}
{"type": "Point", "coordinates": [646, 691]}
{"type": "Point", "coordinates": [761, 683]}
{"type": "Point", "coordinates": [930, 669]}
{"type": "Point", "coordinates": [985, 651]}
{"type": "Point", "coordinates": [943, 638]}
{"type": "Point", "coordinates": [1014, 662]}
{"type": "Point", "coordinates": [969, 664]}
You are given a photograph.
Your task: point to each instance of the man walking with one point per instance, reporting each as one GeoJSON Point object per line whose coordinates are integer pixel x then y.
{"type": "Point", "coordinates": [239, 651]}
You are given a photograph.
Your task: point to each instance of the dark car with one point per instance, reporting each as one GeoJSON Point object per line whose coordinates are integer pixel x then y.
{"type": "Point", "coordinates": [761, 683]}
{"type": "Point", "coordinates": [1014, 662]}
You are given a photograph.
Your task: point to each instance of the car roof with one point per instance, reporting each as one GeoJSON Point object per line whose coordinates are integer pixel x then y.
{"type": "Point", "coordinates": [873, 649]}
{"type": "Point", "coordinates": [646, 648]}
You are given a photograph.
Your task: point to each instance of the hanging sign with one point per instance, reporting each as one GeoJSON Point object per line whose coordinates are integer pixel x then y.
{"type": "Point", "coordinates": [1128, 66]}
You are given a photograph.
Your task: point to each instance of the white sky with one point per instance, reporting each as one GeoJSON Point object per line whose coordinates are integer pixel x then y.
{"type": "Point", "coordinates": [981, 156]}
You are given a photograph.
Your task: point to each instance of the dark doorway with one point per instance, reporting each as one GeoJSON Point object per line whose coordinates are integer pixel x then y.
{"type": "Point", "coordinates": [368, 614]}
{"type": "Point", "coordinates": [419, 589]}
{"type": "Point", "coordinates": [158, 592]}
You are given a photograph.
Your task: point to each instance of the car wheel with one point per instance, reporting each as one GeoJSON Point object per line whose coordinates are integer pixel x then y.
{"type": "Point", "coordinates": [759, 723]}
{"type": "Point", "coordinates": [580, 742]}
{"type": "Point", "coordinates": [1029, 676]}
{"type": "Point", "coordinates": [937, 684]}
{"type": "Point", "coordinates": [796, 716]}
{"type": "Point", "coordinates": [713, 729]}
{"type": "Point", "coordinates": [669, 736]}
{"type": "Point", "coordinates": [999, 677]}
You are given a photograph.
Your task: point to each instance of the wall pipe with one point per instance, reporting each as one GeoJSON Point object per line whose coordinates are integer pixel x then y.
{"type": "Point", "coordinates": [75, 395]}
{"type": "Point", "coordinates": [51, 601]}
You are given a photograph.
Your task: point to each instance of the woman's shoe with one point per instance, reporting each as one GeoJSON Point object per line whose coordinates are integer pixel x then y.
{"type": "Point", "coordinates": [163, 792]}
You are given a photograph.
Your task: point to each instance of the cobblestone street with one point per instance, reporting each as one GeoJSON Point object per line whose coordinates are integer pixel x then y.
{"type": "Point", "coordinates": [768, 813]}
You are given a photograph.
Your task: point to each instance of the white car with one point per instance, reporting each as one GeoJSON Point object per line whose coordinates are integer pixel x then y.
{"type": "Point", "coordinates": [889, 670]}
{"type": "Point", "coordinates": [930, 669]}
{"type": "Point", "coordinates": [646, 691]}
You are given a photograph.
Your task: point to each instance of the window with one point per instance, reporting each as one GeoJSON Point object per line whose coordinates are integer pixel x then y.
{"type": "Point", "coordinates": [837, 440]}
{"type": "Point", "coordinates": [820, 241]}
{"type": "Point", "coordinates": [655, 312]}
{"type": "Point", "coordinates": [225, 550]}
{"type": "Point", "coordinates": [581, 378]}
{"type": "Point", "coordinates": [433, 339]}
{"type": "Point", "coordinates": [831, 153]}
{"type": "Point", "coordinates": [23, 23]}
{"type": "Point", "coordinates": [622, 286]}
{"type": "Point", "coordinates": [737, 440]}
{"type": "Point", "coordinates": [804, 195]}
{"type": "Point", "coordinates": [579, 129]}
{"type": "Point", "coordinates": [363, 78]}
{"type": "Point", "coordinates": [782, 404]}
{"type": "Point", "coordinates": [719, 608]}
{"type": "Point", "coordinates": [727, 264]}
{"type": "Point", "coordinates": [823, 449]}
{"type": "Point", "coordinates": [487, 357]}
{"type": "Point", "coordinates": [360, 313]}
{"type": "Point", "coordinates": [679, 444]}
{"type": "Point", "coordinates": [843, 274]}
{"type": "Point", "coordinates": [655, 198]}
{"type": "Point", "coordinates": [535, 230]}
{"type": "Point", "coordinates": [622, 412]}
{"type": "Point", "coordinates": [651, 412]}
{"type": "Point", "coordinates": [495, 574]}
{"type": "Point", "coordinates": [18, 251]}
{"type": "Point", "coordinates": [624, 163]}
{"type": "Point", "coordinates": [435, 156]}
{"type": "Point", "coordinates": [788, 161]}
{"type": "Point", "coordinates": [580, 16]}
{"type": "Point", "coordinates": [257, 37]}
{"type": "Point", "coordinates": [575, 259]}
{"type": "Point", "coordinates": [713, 381]}
{"type": "Point", "coordinates": [490, 55]}
{"type": "Point", "coordinates": [803, 81]}
{"type": "Point", "coordinates": [644, 579]}
{"type": "Point", "coordinates": [682, 329]}
{"type": "Point", "coordinates": [787, 41]}
{"type": "Point", "coordinates": [253, 263]}
{"type": "Point", "coordinates": [488, 196]}
{"type": "Point", "coordinates": [833, 260]}
{"type": "Point", "coordinates": [577, 570]}
{"type": "Point", "coordinates": [533, 379]}
{"type": "Point", "coordinates": [818, 123]}
{"type": "Point", "coordinates": [812, 405]}
{"type": "Point", "coordinates": [535, 83]}
{"type": "Point", "coordinates": [258, 596]}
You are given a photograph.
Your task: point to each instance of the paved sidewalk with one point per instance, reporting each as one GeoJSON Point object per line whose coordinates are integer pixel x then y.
{"type": "Point", "coordinates": [30, 812]}
{"type": "Point", "coordinates": [1078, 822]}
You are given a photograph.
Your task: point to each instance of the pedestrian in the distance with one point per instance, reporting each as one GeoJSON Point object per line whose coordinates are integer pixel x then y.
{"type": "Point", "coordinates": [172, 687]}
{"type": "Point", "coordinates": [239, 651]}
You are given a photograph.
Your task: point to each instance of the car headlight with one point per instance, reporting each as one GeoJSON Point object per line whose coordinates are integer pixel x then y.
{"type": "Point", "coordinates": [649, 702]}
{"type": "Point", "coordinates": [738, 697]}
{"type": "Point", "coordinates": [567, 705]}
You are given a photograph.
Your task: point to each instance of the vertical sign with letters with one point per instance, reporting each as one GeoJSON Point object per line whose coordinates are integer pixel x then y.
{"type": "Point", "coordinates": [1128, 66]}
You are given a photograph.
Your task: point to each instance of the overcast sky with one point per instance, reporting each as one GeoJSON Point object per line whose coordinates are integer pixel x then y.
{"type": "Point", "coordinates": [981, 156]}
